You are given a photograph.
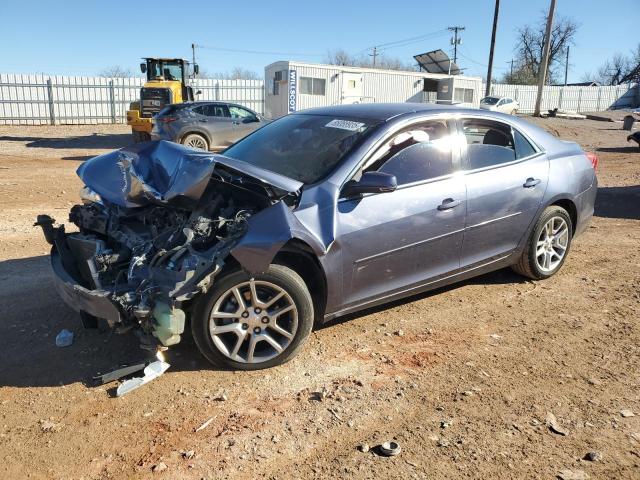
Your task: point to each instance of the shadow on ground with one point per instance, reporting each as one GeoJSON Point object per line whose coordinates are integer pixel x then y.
{"type": "Point", "coordinates": [95, 140]}
{"type": "Point", "coordinates": [618, 202]}
{"type": "Point", "coordinates": [628, 149]}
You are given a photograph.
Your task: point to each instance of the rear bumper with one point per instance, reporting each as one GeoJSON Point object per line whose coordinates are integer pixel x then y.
{"type": "Point", "coordinates": [138, 123]}
{"type": "Point", "coordinates": [94, 302]}
{"type": "Point", "coordinates": [585, 204]}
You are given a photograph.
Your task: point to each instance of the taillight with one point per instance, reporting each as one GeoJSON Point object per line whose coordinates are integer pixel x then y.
{"type": "Point", "coordinates": [167, 119]}
{"type": "Point", "coordinates": [593, 158]}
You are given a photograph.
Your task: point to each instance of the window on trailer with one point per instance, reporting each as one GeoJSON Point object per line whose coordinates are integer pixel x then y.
{"type": "Point", "coordinates": [463, 95]}
{"type": "Point", "coordinates": [312, 86]}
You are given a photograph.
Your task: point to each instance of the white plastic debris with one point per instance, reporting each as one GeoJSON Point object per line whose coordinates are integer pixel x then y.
{"type": "Point", "coordinates": [64, 338]}
{"type": "Point", "coordinates": [151, 372]}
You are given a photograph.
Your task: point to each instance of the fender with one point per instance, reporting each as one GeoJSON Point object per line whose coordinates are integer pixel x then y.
{"type": "Point", "coordinates": [257, 248]}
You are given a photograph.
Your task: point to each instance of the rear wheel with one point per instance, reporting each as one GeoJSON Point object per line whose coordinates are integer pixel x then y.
{"type": "Point", "coordinates": [250, 323]}
{"type": "Point", "coordinates": [548, 245]}
{"type": "Point", "coordinates": [195, 140]}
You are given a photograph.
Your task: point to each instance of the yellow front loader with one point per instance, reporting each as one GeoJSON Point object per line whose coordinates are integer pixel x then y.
{"type": "Point", "coordinates": [166, 83]}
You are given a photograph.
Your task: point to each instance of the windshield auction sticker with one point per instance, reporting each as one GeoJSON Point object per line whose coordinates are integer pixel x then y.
{"type": "Point", "coordinates": [345, 125]}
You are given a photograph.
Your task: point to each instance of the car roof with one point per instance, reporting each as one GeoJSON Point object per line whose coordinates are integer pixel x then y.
{"type": "Point", "coordinates": [375, 111]}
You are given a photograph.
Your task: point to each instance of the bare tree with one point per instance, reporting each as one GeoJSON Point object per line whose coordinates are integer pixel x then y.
{"type": "Point", "coordinates": [530, 46]}
{"type": "Point", "coordinates": [341, 57]}
{"type": "Point", "coordinates": [620, 69]}
{"type": "Point", "coordinates": [116, 71]}
{"type": "Point", "coordinates": [236, 73]}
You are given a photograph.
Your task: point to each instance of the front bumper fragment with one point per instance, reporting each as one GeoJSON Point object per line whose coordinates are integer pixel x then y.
{"type": "Point", "coordinates": [94, 302]}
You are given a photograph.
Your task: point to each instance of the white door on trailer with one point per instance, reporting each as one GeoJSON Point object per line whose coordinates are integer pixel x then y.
{"type": "Point", "coordinates": [352, 88]}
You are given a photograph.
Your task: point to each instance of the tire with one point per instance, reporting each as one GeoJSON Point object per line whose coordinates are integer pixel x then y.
{"type": "Point", "coordinates": [533, 263]}
{"type": "Point", "coordinates": [195, 140]}
{"type": "Point", "coordinates": [230, 347]}
{"type": "Point", "coordinates": [139, 137]}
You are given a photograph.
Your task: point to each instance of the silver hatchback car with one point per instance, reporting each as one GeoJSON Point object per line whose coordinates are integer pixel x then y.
{"type": "Point", "coordinates": [205, 125]}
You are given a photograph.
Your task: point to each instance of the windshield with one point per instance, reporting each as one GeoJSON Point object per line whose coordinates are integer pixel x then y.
{"type": "Point", "coordinates": [302, 147]}
{"type": "Point", "coordinates": [489, 100]}
{"type": "Point", "coordinates": [169, 71]}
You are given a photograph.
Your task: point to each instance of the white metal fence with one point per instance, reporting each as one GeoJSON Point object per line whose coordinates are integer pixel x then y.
{"type": "Point", "coordinates": [581, 99]}
{"type": "Point", "coordinates": [43, 99]}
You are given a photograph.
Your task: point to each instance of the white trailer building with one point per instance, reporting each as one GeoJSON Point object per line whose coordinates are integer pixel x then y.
{"type": "Point", "coordinates": [292, 86]}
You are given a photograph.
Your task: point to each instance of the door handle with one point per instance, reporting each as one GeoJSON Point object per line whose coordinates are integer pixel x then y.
{"type": "Point", "coordinates": [448, 203]}
{"type": "Point", "coordinates": [531, 182]}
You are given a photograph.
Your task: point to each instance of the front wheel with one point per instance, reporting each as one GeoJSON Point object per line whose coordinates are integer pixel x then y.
{"type": "Point", "coordinates": [548, 245]}
{"type": "Point", "coordinates": [250, 323]}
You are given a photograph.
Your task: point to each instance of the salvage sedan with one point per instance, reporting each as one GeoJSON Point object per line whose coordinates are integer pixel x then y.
{"type": "Point", "coordinates": [316, 215]}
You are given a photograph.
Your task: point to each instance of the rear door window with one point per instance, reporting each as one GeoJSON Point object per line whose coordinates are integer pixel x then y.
{"type": "Point", "coordinates": [489, 143]}
{"type": "Point", "coordinates": [523, 146]}
{"type": "Point", "coordinates": [212, 110]}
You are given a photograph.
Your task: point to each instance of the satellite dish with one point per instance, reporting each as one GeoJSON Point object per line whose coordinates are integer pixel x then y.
{"type": "Point", "coordinates": [437, 61]}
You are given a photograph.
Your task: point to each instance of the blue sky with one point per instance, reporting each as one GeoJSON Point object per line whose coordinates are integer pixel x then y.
{"type": "Point", "coordinates": [82, 37]}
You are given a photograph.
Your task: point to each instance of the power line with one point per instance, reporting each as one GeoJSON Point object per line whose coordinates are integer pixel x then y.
{"type": "Point", "coordinates": [259, 52]}
{"type": "Point", "coordinates": [404, 42]}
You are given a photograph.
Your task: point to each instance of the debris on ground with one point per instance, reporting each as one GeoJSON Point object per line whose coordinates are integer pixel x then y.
{"type": "Point", "coordinates": [188, 454]}
{"type": "Point", "coordinates": [221, 396]}
{"type": "Point", "coordinates": [390, 449]}
{"type": "Point", "coordinates": [151, 372]}
{"type": "Point", "coordinates": [559, 113]}
{"type": "Point", "coordinates": [626, 413]}
{"type": "Point", "coordinates": [554, 426]}
{"type": "Point", "coordinates": [159, 467]}
{"type": "Point", "coordinates": [204, 425]}
{"type": "Point", "coordinates": [572, 475]}
{"type": "Point", "coordinates": [119, 373]}
{"type": "Point", "coordinates": [593, 456]}
{"type": "Point", "coordinates": [64, 338]}
{"type": "Point", "coordinates": [48, 426]}
{"type": "Point", "coordinates": [364, 447]}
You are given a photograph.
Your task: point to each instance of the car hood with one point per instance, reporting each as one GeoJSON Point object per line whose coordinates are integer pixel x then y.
{"type": "Point", "coordinates": [484, 106]}
{"type": "Point", "coordinates": [167, 173]}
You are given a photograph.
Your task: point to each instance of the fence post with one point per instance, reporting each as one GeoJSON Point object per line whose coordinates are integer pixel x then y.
{"type": "Point", "coordinates": [560, 99]}
{"type": "Point", "coordinates": [52, 113]}
{"type": "Point", "coordinates": [112, 100]}
{"type": "Point", "coordinates": [579, 100]}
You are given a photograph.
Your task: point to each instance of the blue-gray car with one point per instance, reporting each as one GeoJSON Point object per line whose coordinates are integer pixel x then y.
{"type": "Point", "coordinates": [316, 215]}
{"type": "Point", "coordinates": [205, 125]}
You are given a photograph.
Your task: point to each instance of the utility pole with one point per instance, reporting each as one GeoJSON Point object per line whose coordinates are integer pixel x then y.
{"type": "Point", "coordinates": [455, 41]}
{"type": "Point", "coordinates": [511, 70]}
{"type": "Point", "coordinates": [545, 57]}
{"type": "Point", "coordinates": [493, 44]}
{"type": "Point", "coordinates": [193, 59]}
{"type": "Point", "coordinates": [374, 55]}
{"type": "Point", "coordinates": [566, 67]}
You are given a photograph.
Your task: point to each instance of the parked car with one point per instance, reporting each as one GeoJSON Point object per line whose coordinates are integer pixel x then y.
{"type": "Point", "coordinates": [500, 104]}
{"type": "Point", "coordinates": [321, 213]}
{"type": "Point", "coordinates": [205, 125]}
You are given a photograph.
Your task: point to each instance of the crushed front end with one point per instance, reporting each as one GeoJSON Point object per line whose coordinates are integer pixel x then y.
{"type": "Point", "coordinates": [156, 225]}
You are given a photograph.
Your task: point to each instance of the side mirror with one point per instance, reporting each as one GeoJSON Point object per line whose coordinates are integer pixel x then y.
{"type": "Point", "coordinates": [370, 182]}
{"type": "Point", "coordinates": [143, 67]}
{"type": "Point", "coordinates": [199, 92]}
{"type": "Point", "coordinates": [196, 68]}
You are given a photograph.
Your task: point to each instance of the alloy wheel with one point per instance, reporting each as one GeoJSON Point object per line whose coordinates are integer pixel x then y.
{"type": "Point", "coordinates": [552, 244]}
{"type": "Point", "coordinates": [196, 142]}
{"type": "Point", "coordinates": [253, 322]}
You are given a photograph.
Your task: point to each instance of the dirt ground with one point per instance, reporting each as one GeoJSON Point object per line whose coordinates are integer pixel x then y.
{"type": "Point", "coordinates": [463, 378]}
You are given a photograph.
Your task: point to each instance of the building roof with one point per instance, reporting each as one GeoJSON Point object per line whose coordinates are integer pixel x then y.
{"type": "Point", "coordinates": [346, 68]}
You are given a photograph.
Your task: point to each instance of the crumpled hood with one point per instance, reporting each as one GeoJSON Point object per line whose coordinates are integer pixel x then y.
{"type": "Point", "coordinates": [164, 173]}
